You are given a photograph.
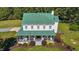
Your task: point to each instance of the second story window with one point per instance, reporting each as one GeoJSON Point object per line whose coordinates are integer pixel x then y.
{"type": "Point", "coordinates": [26, 27]}
{"type": "Point", "coordinates": [37, 27]}
{"type": "Point", "coordinates": [31, 27]}
{"type": "Point", "coordinates": [50, 27]}
{"type": "Point", "coordinates": [44, 27]}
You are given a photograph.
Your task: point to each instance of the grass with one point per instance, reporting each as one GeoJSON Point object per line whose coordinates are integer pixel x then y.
{"type": "Point", "coordinates": [37, 48]}
{"type": "Point", "coordinates": [63, 27]}
{"type": "Point", "coordinates": [10, 23]}
{"type": "Point", "coordinates": [69, 35]}
{"type": "Point", "coordinates": [5, 35]}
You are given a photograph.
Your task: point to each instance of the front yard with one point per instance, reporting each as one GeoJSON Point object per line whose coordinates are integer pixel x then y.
{"type": "Point", "coordinates": [37, 48]}
{"type": "Point", "coordinates": [69, 37]}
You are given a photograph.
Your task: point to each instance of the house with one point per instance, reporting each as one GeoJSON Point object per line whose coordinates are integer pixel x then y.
{"type": "Point", "coordinates": [37, 27]}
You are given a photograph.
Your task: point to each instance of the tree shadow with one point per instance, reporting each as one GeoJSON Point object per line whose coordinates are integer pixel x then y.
{"type": "Point", "coordinates": [9, 42]}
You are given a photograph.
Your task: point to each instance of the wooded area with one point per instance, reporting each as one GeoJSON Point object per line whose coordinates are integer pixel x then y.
{"type": "Point", "coordinates": [66, 14]}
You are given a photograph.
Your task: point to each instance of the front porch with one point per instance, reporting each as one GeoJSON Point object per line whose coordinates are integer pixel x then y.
{"type": "Point", "coordinates": [37, 36]}
{"type": "Point", "coordinates": [38, 39]}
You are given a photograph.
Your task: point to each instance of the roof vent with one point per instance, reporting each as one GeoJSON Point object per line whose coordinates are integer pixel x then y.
{"type": "Point", "coordinates": [52, 12]}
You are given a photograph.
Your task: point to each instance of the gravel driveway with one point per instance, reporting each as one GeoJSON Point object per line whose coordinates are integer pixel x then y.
{"type": "Point", "coordinates": [9, 29]}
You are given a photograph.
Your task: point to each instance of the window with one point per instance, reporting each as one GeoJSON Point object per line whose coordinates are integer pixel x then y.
{"type": "Point", "coordinates": [26, 27]}
{"type": "Point", "coordinates": [43, 27]}
{"type": "Point", "coordinates": [50, 27]}
{"type": "Point", "coordinates": [31, 27]}
{"type": "Point", "coordinates": [37, 27]}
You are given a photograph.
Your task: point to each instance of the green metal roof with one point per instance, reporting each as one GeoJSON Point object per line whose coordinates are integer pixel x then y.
{"type": "Point", "coordinates": [34, 33]}
{"type": "Point", "coordinates": [39, 18]}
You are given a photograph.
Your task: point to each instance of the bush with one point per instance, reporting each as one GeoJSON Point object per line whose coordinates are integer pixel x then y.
{"type": "Point", "coordinates": [32, 43]}
{"type": "Point", "coordinates": [57, 40]}
{"type": "Point", "coordinates": [44, 42]}
{"type": "Point", "coordinates": [19, 44]}
{"type": "Point", "coordinates": [50, 44]}
{"type": "Point", "coordinates": [1, 43]}
{"type": "Point", "coordinates": [9, 42]}
{"type": "Point", "coordinates": [25, 44]}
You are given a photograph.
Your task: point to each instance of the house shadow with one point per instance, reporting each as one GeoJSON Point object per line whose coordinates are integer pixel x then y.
{"type": "Point", "coordinates": [9, 42]}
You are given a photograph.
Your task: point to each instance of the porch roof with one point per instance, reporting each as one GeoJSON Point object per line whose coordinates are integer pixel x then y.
{"type": "Point", "coordinates": [34, 33]}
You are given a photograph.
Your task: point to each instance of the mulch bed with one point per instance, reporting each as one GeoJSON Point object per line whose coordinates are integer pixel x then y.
{"type": "Point", "coordinates": [56, 45]}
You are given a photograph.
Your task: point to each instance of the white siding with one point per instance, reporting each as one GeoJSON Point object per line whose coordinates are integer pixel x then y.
{"type": "Point", "coordinates": [54, 27]}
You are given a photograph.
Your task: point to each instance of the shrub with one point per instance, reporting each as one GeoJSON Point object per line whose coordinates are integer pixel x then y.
{"type": "Point", "coordinates": [50, 44]}
{"type": "Point", "coordinates": [19, 44]}
{"type": "Point", "coordinates": [32, 43]}
{"type": "Point", "coordinates": [1, 43]}
{"type": "Point", "coordinates": [44, 42]}
{"type": "Point", "coordinates": [25, 44]}
{"type": "Point", "coordinates": [9, 42]}
{"type": "Point", "coordinates": [57, 40]}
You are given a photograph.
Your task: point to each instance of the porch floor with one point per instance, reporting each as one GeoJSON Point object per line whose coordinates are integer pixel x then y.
{"type": "Point", "coordinates": [37, 41]}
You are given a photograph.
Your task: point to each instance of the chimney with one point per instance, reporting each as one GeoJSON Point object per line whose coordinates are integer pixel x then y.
{"type": "Point", "coordinates": [52, 12]}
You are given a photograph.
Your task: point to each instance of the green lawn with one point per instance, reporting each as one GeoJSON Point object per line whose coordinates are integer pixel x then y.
{"type": "Point", "coordinates": [37, 48]}
{"type": "Point", "coordinates": [10, 23]}
{"type": "Point", "coordinates": [69, 36]}
{"type": "Point", "coordinates": [7, 34]}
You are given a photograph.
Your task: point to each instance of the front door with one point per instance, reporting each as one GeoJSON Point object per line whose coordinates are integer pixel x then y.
{"type": "Point", "coordinates": [38, 40]}
{"type": "Point", "coordinates": [38, 37]}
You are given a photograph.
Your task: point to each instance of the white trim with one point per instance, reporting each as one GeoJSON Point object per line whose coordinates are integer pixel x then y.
{"type": "Point", "coordinates": [51, 38]}
{"type": "Point", "coordinates": [42, 37]}
{"type": "Point", "coordinates": [34, 38]}
{"type": "Point", "coordinates": [40, 27]}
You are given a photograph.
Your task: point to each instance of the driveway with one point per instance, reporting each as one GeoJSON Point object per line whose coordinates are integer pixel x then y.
{"type": "Point", "coordinates": [9, 29]}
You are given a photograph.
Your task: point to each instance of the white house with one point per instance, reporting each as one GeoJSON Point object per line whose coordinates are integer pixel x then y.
{"type": "Point", "coordinates": [37, 27]}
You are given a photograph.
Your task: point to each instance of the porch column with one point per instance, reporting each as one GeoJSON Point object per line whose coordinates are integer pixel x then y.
{"type": "Point", "coordinates": [17, 38]}
{"type": "Point", "coordinates": [42, 37]}
{"type": "Point", "coordinates": [23, 39]}
{"type": "Point", "coordinates": [51, 38]}
{"type": "Point", "coordinates": [47, 37]}
{"type": "Point", "coordinates": [34, 38]}
{"type": "Point", "coordinates": [29, 38]}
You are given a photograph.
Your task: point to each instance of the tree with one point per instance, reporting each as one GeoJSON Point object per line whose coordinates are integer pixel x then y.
{"type": "Point", "coordinates": [4, 12]}
{"type": "Point", "coordinates": [58, 37]}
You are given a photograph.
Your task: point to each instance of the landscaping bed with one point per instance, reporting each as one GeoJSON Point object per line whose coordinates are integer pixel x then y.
{"type": "Point", "coordinates": [37, 48]}
{"type": "Point", "coordinates": [46, 46]}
